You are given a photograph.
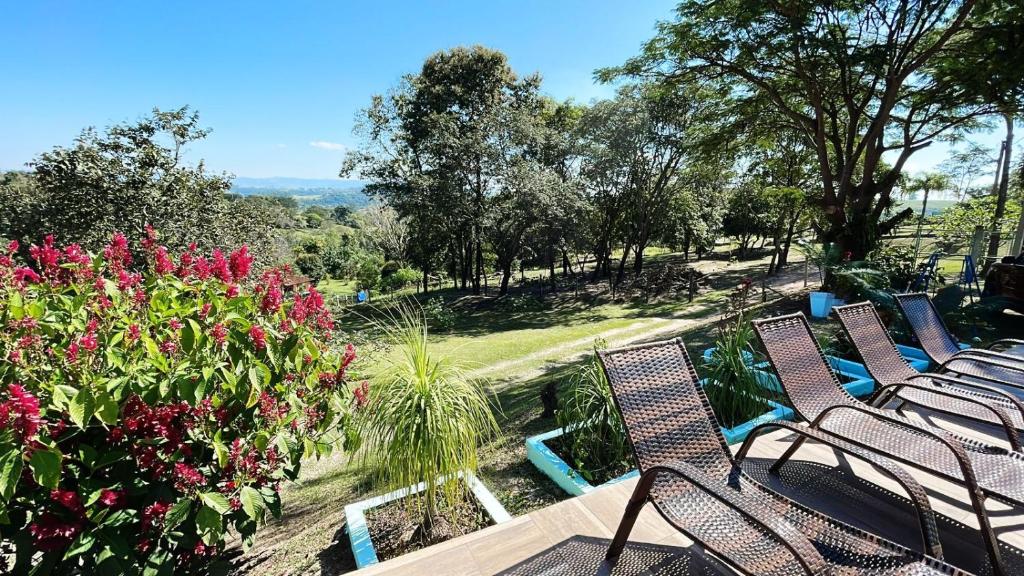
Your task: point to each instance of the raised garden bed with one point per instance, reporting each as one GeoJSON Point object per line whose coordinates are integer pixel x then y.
{"type": "Point", "coordinates": [553, 466]}
{"type": "Point", "coordinates": [359, 532]}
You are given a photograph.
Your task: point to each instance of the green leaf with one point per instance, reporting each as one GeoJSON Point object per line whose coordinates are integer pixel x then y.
{"type": "Point", "coordinates": [177, 514]}
{"type": "Point", "coordinates": [81, 407]}
{"type": "Point", "coordinates": [106, 408]}
{"type": "Point", "coordinates": [217, 501]}
{"type": "Point", "coordinates": [81, 545]}
{"type": "Point", "coordinates": [45, 466]}
{"type": "Point", "coordinates": [222, 453]}
{"type": "Point", "coordinates": [252, 503]}
{"type": "Point", "coordinates": [10, 470]}
{"type": "Point", "coordinates": [210, 525]}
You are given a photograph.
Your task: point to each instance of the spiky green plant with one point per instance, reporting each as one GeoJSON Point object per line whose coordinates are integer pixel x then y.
{"type": "Point", "coordinates": [595, 434]}
{"type": "Point", "coordinates": [731, 385]}
{"type": "Point", "coordinates": [425, 418]}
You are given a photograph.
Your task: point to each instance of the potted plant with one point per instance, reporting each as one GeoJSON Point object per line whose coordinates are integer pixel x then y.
{"type": "Point", "coordinates": [824, 259]}
{"type": "Point", "coordinates": [422, 425]}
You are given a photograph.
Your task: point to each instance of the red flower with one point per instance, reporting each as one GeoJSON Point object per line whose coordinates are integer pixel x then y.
{"type": "Point", "coordinates": [220, 268]}
{"type": "Point", "coordinates": [219, 333]}
{"type": "Point", "coordinates": [187, 477]}
{"type": "Point", "coordinates": [68, 499]}
{"type": "Point", "coordinates": [53, 533]}
{"type": "Point", "coordinates": [153, 515]}
{"type": "Point", "coordinates": [117, 254]}
{"type": "Point", "coordinates": [258, 337]}
{"type": "Point", "coordinates": [113, 498]}
{"type": "Point", "coordinates": [21, 412]}
{"type": "Point", "coordinates": [163, 264]}
{"type": "Point", "coordinates": [134, 332]}
{"type": "Point", "coordinates": [240, 263]}
{"type": "Point", "coordinates": [232, 291]}
{"type": "Point", "coordinates": [23, 274]}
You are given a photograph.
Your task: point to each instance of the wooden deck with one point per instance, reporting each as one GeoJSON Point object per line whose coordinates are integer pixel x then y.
{"type": "Point", "coordinates": [569, 538]}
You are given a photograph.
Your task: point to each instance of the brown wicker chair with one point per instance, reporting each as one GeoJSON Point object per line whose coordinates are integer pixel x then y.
{"type": "Point", "coordinates": [942, 347]}
{"type": "Point", "coordinates": [899, 381]}
{"type": "Point", "coordinates": [818, 397]}
{"type": "Point", "coordinates": [694, 483]}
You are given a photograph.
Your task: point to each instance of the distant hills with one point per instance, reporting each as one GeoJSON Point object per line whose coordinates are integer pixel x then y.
{"type": "Point", "coordinates": [306, 191]}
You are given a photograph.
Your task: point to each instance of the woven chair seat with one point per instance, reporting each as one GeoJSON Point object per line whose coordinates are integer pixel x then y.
{"type": "Point", "coordinates": [697, 486]}
{"type": "Point", "coordinates": [966, 409]}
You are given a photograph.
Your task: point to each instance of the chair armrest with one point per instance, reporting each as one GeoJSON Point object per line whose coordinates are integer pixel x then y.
{"type": "Point", "coordinates": [752, 510]}
{"type": "Point", "coordinates": [981, 363]}
{"type": "Point", "coordinates": [988, 356]}
{"type": "Point", "coordinates": [1005, 343]}
{"type": "Point", "coordinates": [1000, 414]}
{"type": "Point", "coordinates": [918, 497]}
{"type": "Point", "coordinates": [996, 393]}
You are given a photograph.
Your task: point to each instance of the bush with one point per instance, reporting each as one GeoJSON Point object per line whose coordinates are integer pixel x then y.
{"type": "Point", "coordinates": [368, 273]}
{"type": "Point", "coordinates": [399, 279]}
{"type": "Point", "coordinates": [144, 413]}
{"type": "Point", "coordinates": [438, 315]}
{"type": "Point", "coordinates": [311, 265]}
{"type": "Point", "coordinates": [389, 268]}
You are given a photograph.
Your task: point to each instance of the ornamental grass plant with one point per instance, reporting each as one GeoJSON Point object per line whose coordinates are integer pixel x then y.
{"type": "Point", "coordinates": [149, 406]}
{"type": "Point", "coordinates": [425, 418]}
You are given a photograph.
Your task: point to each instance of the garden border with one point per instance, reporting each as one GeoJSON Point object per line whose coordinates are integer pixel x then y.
{"type": "Point", "coordinates": [359, 534]}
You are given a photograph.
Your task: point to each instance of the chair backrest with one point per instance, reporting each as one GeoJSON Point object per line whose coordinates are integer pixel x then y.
{"type": "Point", "coordinates": [927, 324]}
{"type": "Point", "coordinates": [801, 366]}
{"type": "Point", "coordinates": [667, 415]}
{"type": "Point", "coordinates": [874, 344]}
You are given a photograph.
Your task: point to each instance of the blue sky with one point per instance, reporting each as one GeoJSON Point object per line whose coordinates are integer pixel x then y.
{"type": "Point", "coordinates": [281, 82]}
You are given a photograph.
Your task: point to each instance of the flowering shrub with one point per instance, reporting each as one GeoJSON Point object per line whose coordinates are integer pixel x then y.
{"type": "Point", "coordinates": [146, 410]}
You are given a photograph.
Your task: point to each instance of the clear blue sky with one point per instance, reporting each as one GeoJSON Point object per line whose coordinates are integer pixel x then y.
{"type": "Point", "coordinates": [280, 82]}
{"type": "Point", "coordinates": [271, 78]}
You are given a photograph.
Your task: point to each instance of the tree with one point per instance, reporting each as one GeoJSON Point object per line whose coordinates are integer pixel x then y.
{"type": "Point", "coordinates": [986, 65]}
{"type": "Point", "coordinates": [132, 175]}
{"type": "Point", "coordinates": [384, 231]}
{"type": "Point", "coordinates": [925, 184]}
{"type": "Point", "coordinates": [851, 77]}
{"type": "Point", "coordinates": [437, 147]}
{"type": "Point", "coordinates": [965, 167]}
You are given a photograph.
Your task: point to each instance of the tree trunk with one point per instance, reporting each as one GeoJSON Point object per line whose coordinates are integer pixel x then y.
{"type": "Point", "coordinates": [1000, 213]}
{"type": "Point", "coordinates": [551, 268]}
{"type": "Point", "coordinates": [426, 280]}
{"type": "Point", "coordinates": [622, 263]}
{"type": "Point", "coordinates": [506, 274]}
{"type": "Point", "coordinates": [479, 265]}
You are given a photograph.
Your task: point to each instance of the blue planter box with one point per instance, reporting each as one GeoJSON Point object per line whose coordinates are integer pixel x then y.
{"type": "Point", "coordinates": [918, 359]}
{"type": "Point", "coordinates": [558, 470]}
{"type": "Point", "coordinates": [359, 534]}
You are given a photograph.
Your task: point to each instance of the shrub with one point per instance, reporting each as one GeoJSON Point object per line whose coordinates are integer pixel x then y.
{"type": "Point", "coordinates": [399, 279]}
{"type": "Point", "coordinates": [595, 434]}
{"type": "Point", "coordinates": [389, 268]}
{"type": "Point", "coordinates": [368, 273]}
{"type": "Point", "coordinates": [312, 265]}
{"type": "Point", "coordinates": [426, 418]}
{"type": "Point", "coordinates": [438, 314]}
{"type": "Point", "coordinates": [144, 413]}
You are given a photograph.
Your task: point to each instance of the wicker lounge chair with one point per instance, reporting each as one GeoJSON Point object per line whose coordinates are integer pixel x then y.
{"type": "Point", "coordinates": [818, 397]}
{"type": "Point", "coordinates": [938, 392]}
{"type": "Point", "coordinates": [942, 347]}
{"type": "Point", "coordinates": [692, 480]}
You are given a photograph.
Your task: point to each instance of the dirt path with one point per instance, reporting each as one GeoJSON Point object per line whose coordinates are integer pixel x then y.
{"type": "Point", "coordinates": [789, 282]}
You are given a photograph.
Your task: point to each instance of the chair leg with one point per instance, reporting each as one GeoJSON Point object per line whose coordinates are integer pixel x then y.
{"type": "Point", "coordinates": [787, 454]}
{"type": "Point", "coordinates": [629, 516]}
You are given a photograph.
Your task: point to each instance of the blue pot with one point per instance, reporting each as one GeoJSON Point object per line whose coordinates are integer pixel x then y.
{"type": "Point", "coordinates": [821, 304]}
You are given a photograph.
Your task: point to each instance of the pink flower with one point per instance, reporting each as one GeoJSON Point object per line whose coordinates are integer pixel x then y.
{"type": "Point", "coordinates": [163, 264]}
{"type": "Point", "coordinates": [72, 352]}
{"type": "Point", "coordinates": [134, 332]}
{"type": "Point", "coordinates": [220, 268]}
{"type": "Point", "coordinates": [232, 291]}
{"type": "Point", "coordinates": [25, 274]}
{"type": "Point", "coordinates": [117, 254]}
{"type": "Point", "coordinates": [205, 310]}
{"type": "Point", "coordinates": [258, 337]}
{"type": "Point", "coordinates": [175, 324]}
{"type": "Point", "coordinates": [153, 515]}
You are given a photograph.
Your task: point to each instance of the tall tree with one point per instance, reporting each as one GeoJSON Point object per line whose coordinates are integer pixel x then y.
{"type": "Point", "coordinates": [987, 65]}
{"type": "Point", "coordinates": [851, 77]}
{"type": "Point", "coordinates": [436, 148]}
